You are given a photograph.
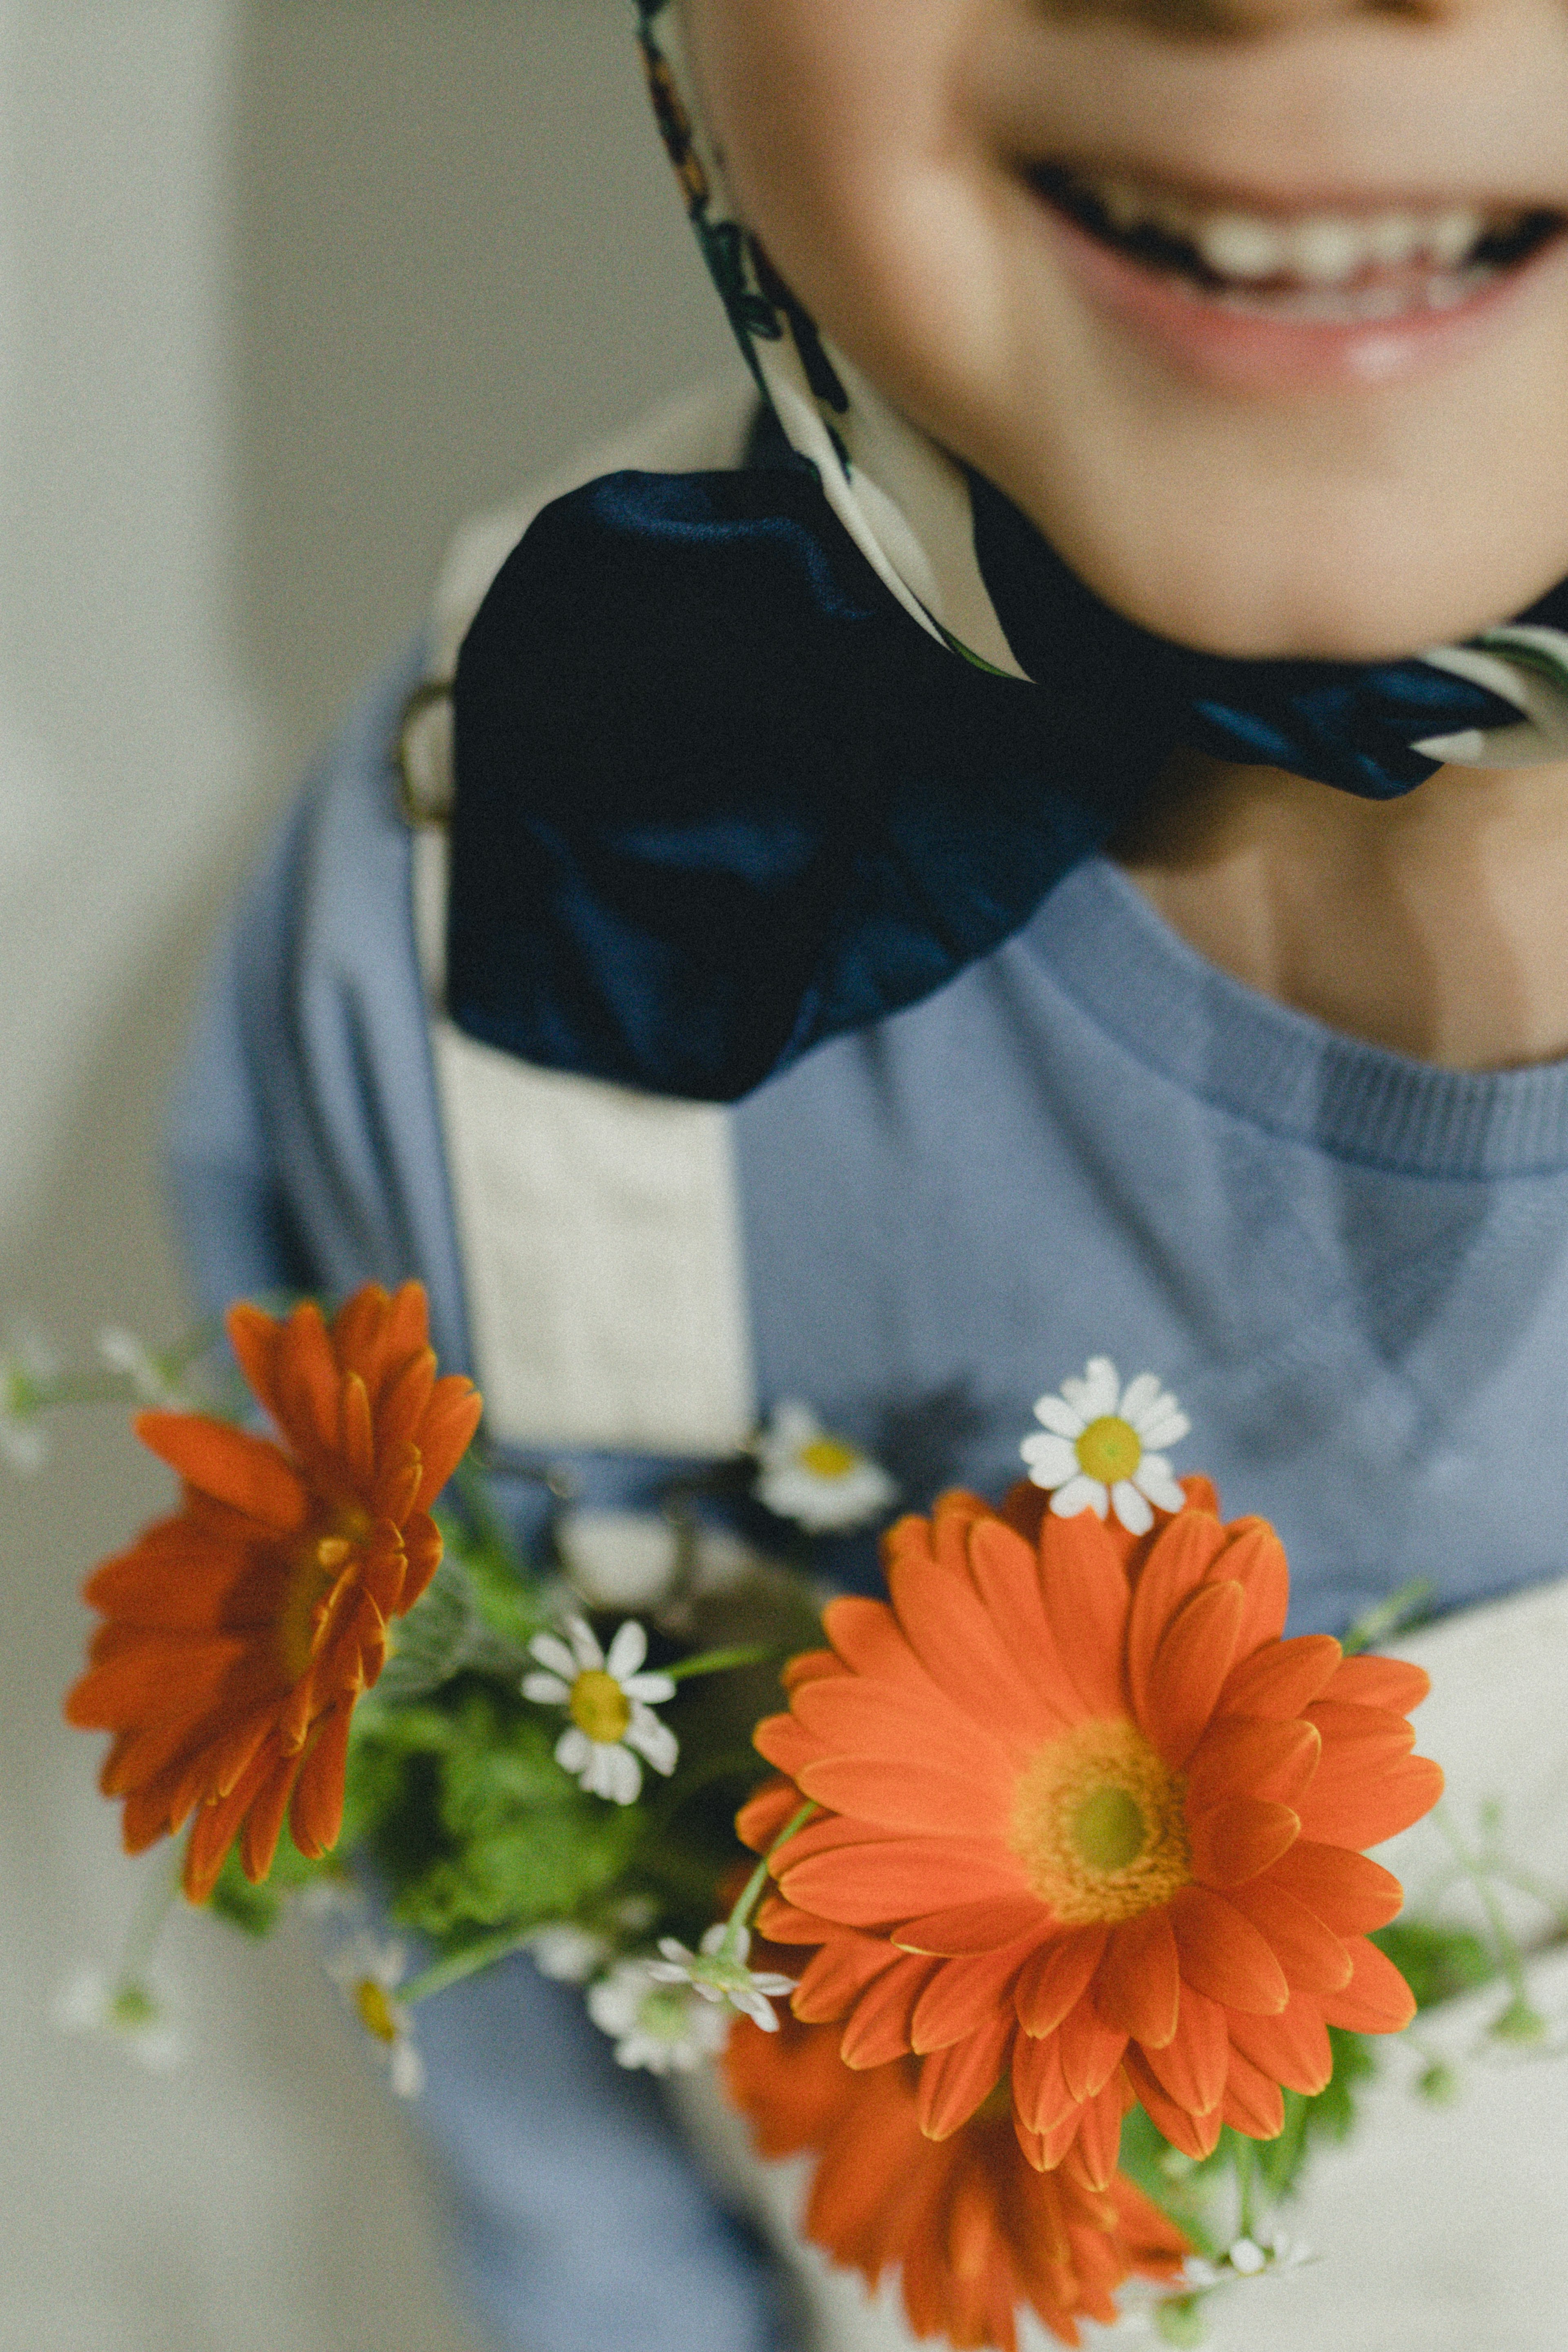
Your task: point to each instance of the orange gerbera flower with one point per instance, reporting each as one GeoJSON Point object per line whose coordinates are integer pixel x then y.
{"type": "Point", "coordinates": [975, 2233]}
{"type": "Point", "coordinates": [1093, 1824]}
{"type": "Point", "coordinates": [239, 1633]}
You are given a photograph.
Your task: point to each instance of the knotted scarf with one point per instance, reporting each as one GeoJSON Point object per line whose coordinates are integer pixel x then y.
{"type": "Point", "coordinates": [746, 760]}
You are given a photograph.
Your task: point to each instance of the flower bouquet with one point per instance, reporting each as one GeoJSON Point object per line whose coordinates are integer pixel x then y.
{"type": "Point", "coordinates": [1029, 1904]}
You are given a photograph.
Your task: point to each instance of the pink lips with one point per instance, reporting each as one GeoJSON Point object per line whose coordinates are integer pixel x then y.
{"type": "Point", "coordinates": [1235, 348]}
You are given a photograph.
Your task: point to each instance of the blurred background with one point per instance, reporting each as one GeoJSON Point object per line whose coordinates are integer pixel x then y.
{"type": "Point", "coordinates": [287, 287]}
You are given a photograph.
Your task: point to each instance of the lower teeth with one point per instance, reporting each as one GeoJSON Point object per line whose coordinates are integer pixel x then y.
{"type": "Point", "coordinates": [1349, 306]}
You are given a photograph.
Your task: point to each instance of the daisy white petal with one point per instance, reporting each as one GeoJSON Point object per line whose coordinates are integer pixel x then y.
{"type": "Point", "coordinates": [653, 1739]}
{"type": "Point", "coordinates": [1153, 1477]}
{"type": "Point", "coordinates": [1058, 1416]}
{"type": "Point", "coordinates": [1051, 1460]}
{"type": "Point", "coordinates": [554, 1654]}
{"type": "Point", "coordinates": [586, 1653]}
{"type": "Point", "coordinates": [1131, 1507]}
{"type": "Point", "coordinates": [627, 1651]}
{"type": "Point", "coordinates": [1081, 1495]}
{"type": "Point", "coordinates": [652, 1690]}
{"type": "Point", "coordinates": [1139, 1399]}
{"type": "Point", "coordinates": [546, 1690]}
{"type": "Point", "coordinates": [1101, 1390]}
{"type": "Point", "coordinates": [751, 2001]}
{"type": "Point", "coordinates": [622, 1780]}
{"type": "Point", "coordinates": [1166, 1428]}
{"type": "Point", "coordinates": [566, 1954]}
{"type": "Point", "coordinates": [573, 1749]}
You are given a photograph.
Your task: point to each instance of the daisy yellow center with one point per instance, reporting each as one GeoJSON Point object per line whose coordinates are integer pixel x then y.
{"type": "Point", "coordinates": [1110, 1449]}
{"type": "Point", "coordinates": [1097, 1822]}
{"type": "Point", "coordinates": [317, 1565]}
{"type": "Point", "coordinates": [374, 2009]}
{"type": "Point", "coordinates": [599, 1707]}
{"type": "Point", "coordinates": [828, 1457]}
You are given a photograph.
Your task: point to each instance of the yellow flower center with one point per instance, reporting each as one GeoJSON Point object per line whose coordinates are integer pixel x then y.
{"type": "Point", "coordinates": [600, 1706]}
{"type": "Point", "coordinates": [1097, 1823]}
{"type": "Point", "coordinates": [1110, 1449]}
{"type": "Point", "coordinates": [375, 2010]}
{"type": "Point", "coordinates": [829, 1457]}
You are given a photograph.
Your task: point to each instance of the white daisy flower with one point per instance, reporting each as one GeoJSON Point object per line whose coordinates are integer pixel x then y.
{"type": "Point", "coordinates": [665, 2028]}
{"type": "Point", "coordinates": [1101, 1449]}
{"type": "Point", "coordinates": [124, 1353]}
{"type": "Point", "coordinates": [127, 2013]}
{"type": "Point", "coordinates": [718, 1972]}
{"type": "Point", "coordinates": [822, 1482]}
{"type": "Point", "coordinates": [618, 1560]}
{"type": "Point", "coordinates": [568, 1955]}
{"type": "Point", "coordinates": [611, 1703]}
{"type": "Point", "coordinates": [369, 1972]}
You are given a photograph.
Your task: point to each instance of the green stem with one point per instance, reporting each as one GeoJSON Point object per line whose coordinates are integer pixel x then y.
{"type": "Point", "coordinates": [1246, 2186]}
{"type": "Point", "coordinates": [751, 1893]}
{"type": "Point", "coordinates": [1508, 1957]}
{"type": "Point", "coordinates": [465, 1963]}
{"type": "Point", "coordinates": [158, 1890]}
{"type": "Point", "coordinates": [719, 1662]}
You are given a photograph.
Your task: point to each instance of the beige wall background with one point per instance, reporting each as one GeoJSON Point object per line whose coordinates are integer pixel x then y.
{"type": "Point", "coordinates": [285, 289]}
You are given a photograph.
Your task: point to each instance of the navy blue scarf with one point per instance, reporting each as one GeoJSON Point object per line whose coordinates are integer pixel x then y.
{"type": "Point", "coordinates": [717, 800]}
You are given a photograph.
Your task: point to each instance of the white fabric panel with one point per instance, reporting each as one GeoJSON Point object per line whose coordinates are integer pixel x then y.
{"type": "Point", "coordinates": [599, 1227]}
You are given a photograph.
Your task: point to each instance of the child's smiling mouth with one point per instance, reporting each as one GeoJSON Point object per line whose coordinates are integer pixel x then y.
{"type": "Point", "coordinates": [1306, 296]}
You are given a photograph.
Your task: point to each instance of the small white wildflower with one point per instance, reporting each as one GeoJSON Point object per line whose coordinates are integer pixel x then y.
{"type": "Point", "coordinates": [664, 2028]}
{"type": "Point", "coordinates": [328, 1898]}
{"type": "Point", "coordinates": [123, 1352]}
{"type": "Point", "coordinates": [618, 1560]}
{"type": "Point", "coordinates": [1247, 2258]}
{"type": "Point", "coordinates": [611, 1703]}
{"type": "Point", "coordinates": [822, 1482]}
{"type": "Point", "coordinates": [1101, 1450]}
{"type": "Point", "coordinates": [127, 2013]}
{"type": "Point", "coordinates": [569, 1955]}
{"type": "Point", "coordinates": [27, 1363]}
{"type": "Point", "coordinates": [717, 1973]}
{"type": "Point", "coordinates": [369, 1972]}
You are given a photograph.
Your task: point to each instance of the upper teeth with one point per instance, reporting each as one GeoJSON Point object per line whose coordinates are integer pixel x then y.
{"type": "Point", "coordinates": [1319, 248]}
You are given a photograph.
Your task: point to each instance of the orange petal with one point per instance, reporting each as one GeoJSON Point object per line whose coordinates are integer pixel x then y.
{"type": "Point", "coordinates": [763, 1817]}
{"type": "Point", "coordinates": [1040, 2096]}
{"type": "Point", "coordinates": [1233, 1841]}
{"type": "Point", "coordinates": [1292, 2048]}
{"type": "Point", "coordinates": [1191, 2068]}
{"type": "Point", "coordinates": [1349, 1892]}
{"type": "Point", "coordinates": [1084, 1588]}
{"type": "Point", "coordinates": [445, 1433]}
{"type": "Point", "coordinates": [967, 1656]}
{"type": "Point", "coordinates": [1090, 2050]}
{"type": "Point", "coordinates": [262, 1823]}
{"type": "Point", "coordinates": [849, 1716]}
{"type": "Point", "coordinates": [1138, 1984]}
{"type": "Point", "coordinates": [810, 1666]}
{"type": "Point", "coordinates": [863, 1886]}
{"type": "Point", "coordinates": [1377, 2000]}
{"type": "Point", "coordinates": [1174, 1568]}
{"type": "Point", "coordinates": [1099, 2142]}
{"type": "Point", "coordinates": [780, 1923]}
{"type": "Point", "coordinates": [957, 2081]}
{"type": "Point", "coordinates": [1254, 1558]}
{"type": "Point", "coordinates": [959, 1992]}
{"type": "Point", "coordinates": [1253, 2103]}
{"type": "Point", "coordinates": [249, 1473]}
{"type": "Point", "coordinates": [254, 1337]}
{"type": "Point", "coordinates": [423, 1548]}
{"type": "Point", "coordinates": [1380, 1682]}
{"type": "Point", "coordinates": [316, 1815]}
{"type": "Point", "coordinates": [916, 1798]}
{"type": "Point", "coordinates": [1196, 2134]}
{"type": "Point", "coordinates": [1004, 1570]}
{"type": "Point", "coordinates": [356, 1435]}
{"type": "Point", "coordinates": [1283, 1677]}
{"type": "Point", "coordinates": [400, 1411]}
{"type": "Point", "coordinates": [866, 1637]}
{"type": "Point", "coordinates": [1241, 1755]}
{"type": "Point", "coordinates": [1056, 1977]}
{"type": "Point", "coordinates": [879, 2028]}
{"type": "Point", "coordinates": [837, 1975]}
{"type": "Point", "coordinates": [787, 1744]}
{"type": "Point", "coordinates": [1312, 1956]}
{"type": "Point", "coordinates": [976, 1926]}
{"type": "Point", "coordinates": [1223, 1954]}
{"type": "Point", "coordinates": [1342, 1809]}
{"type": "Point", "coordinates": [1190, 1669]}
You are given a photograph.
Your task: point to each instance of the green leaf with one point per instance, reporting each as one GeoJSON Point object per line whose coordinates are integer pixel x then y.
{"type": "Point", "coordinates": [1437, 1963]}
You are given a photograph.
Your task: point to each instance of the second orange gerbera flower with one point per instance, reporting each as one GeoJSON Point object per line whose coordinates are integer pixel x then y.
{"type": "Point", "coordinates": [239, 1634]}
{"type": "Point", "coordinates": [1092, 1826]}
{"type": "Point", "coordinates": [975, 2234]}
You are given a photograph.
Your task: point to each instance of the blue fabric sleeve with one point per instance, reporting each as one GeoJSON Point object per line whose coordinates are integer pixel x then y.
{"type": "Point", "coordinates": [306, 1153]}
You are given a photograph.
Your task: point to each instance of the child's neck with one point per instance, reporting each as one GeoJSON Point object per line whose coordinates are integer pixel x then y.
{"type": "Point", "coordinates": [1437, 924]}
